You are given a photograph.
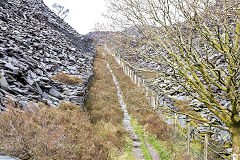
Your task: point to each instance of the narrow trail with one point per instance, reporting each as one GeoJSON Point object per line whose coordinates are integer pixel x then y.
{"type": "Point", "coordinates": [153, 152]}
{"type": "Point", "coordinates": [137, 151]}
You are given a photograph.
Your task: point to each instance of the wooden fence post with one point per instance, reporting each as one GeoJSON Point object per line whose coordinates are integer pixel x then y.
{"type": "Point", "coordinates": [175, 121]}
{"type": "Point", "coordinates": [146, 93]}
{"type": "Point", "coordinates": [175, 127]}
{"type": "Point", "coordinates": [206, 147]}
{"type": "Point", "coordinates": [130, 74]}
{"type": "Point", "coordinates": [139, 82]}
{"type": "Point", "coordinates": [156, 102]}
{"type": "Point", "coordinates": [135, 78]}
{"type": "Point", "coordinates": [188, 136]}
{"type": "Point", "coordinates": [153, 101]}
{"type": "Point", "coordinates": [119, 60]}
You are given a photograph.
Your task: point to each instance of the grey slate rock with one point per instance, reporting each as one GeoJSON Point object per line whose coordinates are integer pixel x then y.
{"type": "Point", "coordinates": [54, 92]}
{"type": "Point", "coordinates": [7, 157]}
{"type": "Point", "coordinates": [3, 83]}
{"type": "Point", "coordinates": [37, 46]}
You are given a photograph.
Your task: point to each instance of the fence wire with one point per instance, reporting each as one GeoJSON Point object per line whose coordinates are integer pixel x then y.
{"type": "Point", "coordinates": [182, 138]}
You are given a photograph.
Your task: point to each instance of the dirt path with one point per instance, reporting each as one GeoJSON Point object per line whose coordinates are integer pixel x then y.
{"type": "Point", "coordinates": [153, 153]}
{"type": "Point", "coordinates": [137, 151]}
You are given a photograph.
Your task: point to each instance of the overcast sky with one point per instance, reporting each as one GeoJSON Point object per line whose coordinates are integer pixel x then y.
{"type": "Point", "coordinates": [84, 14]}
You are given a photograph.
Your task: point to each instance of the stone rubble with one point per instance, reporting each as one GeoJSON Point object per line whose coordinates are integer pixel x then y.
{"type": "Point", "coordinates": [36, 44]}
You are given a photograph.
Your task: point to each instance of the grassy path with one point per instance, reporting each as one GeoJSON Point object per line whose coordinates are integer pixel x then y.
{"type": "Point", "coordinates": [104, 107]}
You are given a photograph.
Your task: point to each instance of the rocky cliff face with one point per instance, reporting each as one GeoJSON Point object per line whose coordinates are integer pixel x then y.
{"type": "Point", "coordinates": [35, 44]}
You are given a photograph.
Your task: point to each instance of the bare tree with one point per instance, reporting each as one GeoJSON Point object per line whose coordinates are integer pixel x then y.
{"type": "Point", "coordinates": [60, 10]}
{"type": "Point", "coordinates": [200, 41]}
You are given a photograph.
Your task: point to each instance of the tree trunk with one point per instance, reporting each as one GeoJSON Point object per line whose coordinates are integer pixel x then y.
{"type": "Point", "coordinates": [236, 143]}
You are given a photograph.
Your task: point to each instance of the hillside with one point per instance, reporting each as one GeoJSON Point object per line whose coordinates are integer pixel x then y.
{"type": "Point", "coordinates": [35, 44]}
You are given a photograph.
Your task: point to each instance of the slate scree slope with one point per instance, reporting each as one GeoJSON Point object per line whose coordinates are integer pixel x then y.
{"type": "Point", "coordinates": [36, 44]}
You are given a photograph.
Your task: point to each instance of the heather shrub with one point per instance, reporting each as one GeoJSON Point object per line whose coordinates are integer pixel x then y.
{"type": "Point", "coordinates": [69, 79]}
{"type": "Point", "coordinates": [49, 133]}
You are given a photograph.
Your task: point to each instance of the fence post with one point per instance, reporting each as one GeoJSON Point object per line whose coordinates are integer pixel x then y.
{"type": "Point", "coordinates": [175, 126]}
{"type": "Point", "coordinates": [206, 147]}
{"type": "Point", "coordinates": [175, 121]}
{"type": "Point", "coordinates": [188, 136]}
{"type": "Point", "coordinates": [133, 76]}
{"type": "Point", "coordinates": [135, 79]}
{"type": "Point", "coordinates": [164, 112]}
{"type": "Point", "coordinates": [143, 82]}
{"type": "Point", "coordinates": [146, 94]}
{"type": "Point", "coordinates": [119, 60]}
{"type": "Point", "coordinates": [130, 74]}
{"type": "Point", "coordinates": [139, 82]}
{"type": "Point", "coordinates": [156, 102]}
{"type": "Point", "coordinates": [153, 101]}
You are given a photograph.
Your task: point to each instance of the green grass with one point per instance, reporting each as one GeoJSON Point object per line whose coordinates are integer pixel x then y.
{"type": "Point", "coordinates": [128, 149]}
{"type": "Point", "coordinates": [158, 145]}
{"type": "Point", "coordinates": [140, 132]}
{"type": "Point", "coordinates": [164, 154]}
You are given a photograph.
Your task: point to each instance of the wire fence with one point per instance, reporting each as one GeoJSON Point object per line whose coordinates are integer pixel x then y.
{"type": "Point", "coordinates": [198, 144]}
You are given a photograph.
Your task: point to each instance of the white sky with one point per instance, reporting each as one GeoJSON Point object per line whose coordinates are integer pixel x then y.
{"type": "Point", "coordinates": [84, 14]}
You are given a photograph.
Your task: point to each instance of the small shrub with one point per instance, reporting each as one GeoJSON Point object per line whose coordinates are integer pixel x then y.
{"type": "Point", "coordinates": [157, 127]}
{"type": "Point", "coordinates": [65, 78]}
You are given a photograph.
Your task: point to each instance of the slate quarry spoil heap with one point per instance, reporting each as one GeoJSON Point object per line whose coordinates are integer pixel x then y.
{"type": "Point", "coordinates": [35, 44]}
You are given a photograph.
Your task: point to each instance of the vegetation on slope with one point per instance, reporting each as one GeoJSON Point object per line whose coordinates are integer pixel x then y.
{"type": "Point", "coordinates": [65, 78]}
{"type": "Point", "coordinates": [157, 132]}
{"type": "Point", "coordinates": [66, 132]}
{"type": "Point", "coordinates": [49, 133]}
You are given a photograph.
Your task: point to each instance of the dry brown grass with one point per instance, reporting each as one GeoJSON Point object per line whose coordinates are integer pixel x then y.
{"type": "Point", "coordinates": [50, 133]}
{"type": "Point", "coordinates": [149, 75]}
{"type": "Point", "coordinates": [68, 79]}
{"type": "Point", "coordinates": [184, 107]}
{"type": "Point", "coordinates": [102, 102]}
{"type": "Point", "coordinates": [104, 109]}
{"type": "Point", "coordinates": [138, 105]}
